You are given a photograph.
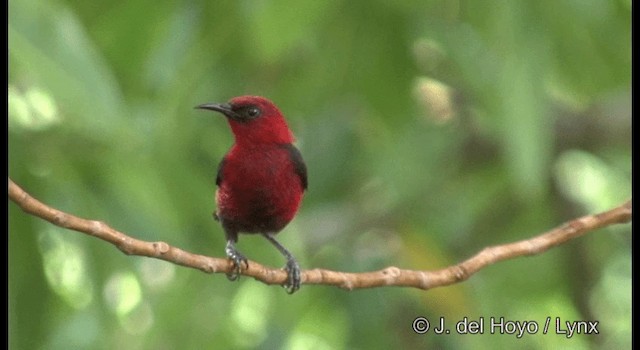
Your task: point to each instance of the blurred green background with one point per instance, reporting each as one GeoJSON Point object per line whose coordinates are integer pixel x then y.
{"type": "Point", "coordinates": [431, 129]}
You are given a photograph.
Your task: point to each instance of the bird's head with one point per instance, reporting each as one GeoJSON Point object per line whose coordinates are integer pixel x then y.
{"type": "Point", "coordinates": [253, 119]}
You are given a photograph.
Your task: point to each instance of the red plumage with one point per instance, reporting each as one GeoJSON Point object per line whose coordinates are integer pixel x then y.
{"type": "Point", "coordinates": [259, 190]}
{"type": "Point", "coordinates": [261, 180]}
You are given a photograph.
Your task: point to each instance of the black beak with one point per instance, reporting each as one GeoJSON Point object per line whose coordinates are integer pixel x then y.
{"type": "Point", "coordinates": [223, 108]}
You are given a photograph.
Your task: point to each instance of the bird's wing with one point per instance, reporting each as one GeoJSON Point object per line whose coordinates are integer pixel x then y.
{"type": "Point", "coordinates": [219, 174]}
{"type": "Point", "coordinates": [298, 163]}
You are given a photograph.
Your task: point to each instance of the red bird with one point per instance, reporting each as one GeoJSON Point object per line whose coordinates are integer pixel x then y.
{"type": "Point", "coordinates": [261, 180]}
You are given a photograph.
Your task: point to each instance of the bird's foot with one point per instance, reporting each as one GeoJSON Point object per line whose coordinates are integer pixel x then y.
{"type": "Point", "coordinates": [293, 276]}
{"type": "Point", "coordinates": [238, 259]}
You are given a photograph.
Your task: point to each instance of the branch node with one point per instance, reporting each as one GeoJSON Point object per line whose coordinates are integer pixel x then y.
{"type": "Point", "coordinates": [21, 195]}
{"type": "Point", "coordinates": [572, 226]}
{"type": "Point", "coordinates": [534, 248]}
{"type": "Point", "coordinates": [346, 282]}
{"type": "Point", "coordinates": [161, 247]}
{"type": "Point", "coordinates": [391, 274]}
{"type": "Point", "coordinates": [125, 245]}
{"type": "Point", "coordinates": [392, 271]}
{"type": "Point", "coordinates": [460, 273]}
{"type": "Point", "coordinates": [60, 219]}
{"type": "Point", "coordinates": [208, 267]}
{"type": "Point", "coordinates": [424, 281]}
{"type": "Point", "coordinates": [97, 227]}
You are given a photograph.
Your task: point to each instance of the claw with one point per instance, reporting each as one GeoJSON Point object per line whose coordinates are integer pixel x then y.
{"type": "Point", "coordinates": [237, 258]}
{"type": "Point", "coordinates": [293, 276]}
{"type": "Point", "coordinates": [292, 267]}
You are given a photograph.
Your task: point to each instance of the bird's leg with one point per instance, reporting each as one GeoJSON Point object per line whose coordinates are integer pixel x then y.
{"type": "Point", "coordinates": [237, 258]}
{"type": "Point", "coordinates": [230, 249]}
{"type": "Point", "coordinates": [292, 267]}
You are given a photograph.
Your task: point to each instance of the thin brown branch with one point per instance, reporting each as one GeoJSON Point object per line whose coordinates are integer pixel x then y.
{"type": "Point", "coordinates": [390, 276]}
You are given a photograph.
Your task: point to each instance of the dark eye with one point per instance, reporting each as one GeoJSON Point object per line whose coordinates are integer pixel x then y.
{"type": "Point", "coordinates": [253, 112]}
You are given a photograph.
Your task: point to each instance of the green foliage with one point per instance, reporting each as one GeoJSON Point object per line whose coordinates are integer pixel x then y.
{"type": "Point", "coordinates": [431, 129]}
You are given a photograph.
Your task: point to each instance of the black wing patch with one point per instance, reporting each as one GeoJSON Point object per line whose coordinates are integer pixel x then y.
{"type": "Point", "coordinates": [219, 174]}
{"type": "Point", "coordinates": [298, 163]}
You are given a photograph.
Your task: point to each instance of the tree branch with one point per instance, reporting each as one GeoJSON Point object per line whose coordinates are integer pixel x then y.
{"type": "Point", "coordinates": [390, 276]}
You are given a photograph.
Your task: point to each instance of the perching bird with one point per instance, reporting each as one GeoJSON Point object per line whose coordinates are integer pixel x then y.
{"type": "Point", "coordinates": [261, 180]}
